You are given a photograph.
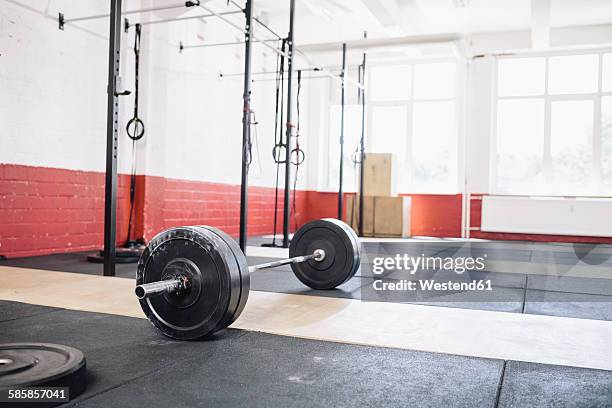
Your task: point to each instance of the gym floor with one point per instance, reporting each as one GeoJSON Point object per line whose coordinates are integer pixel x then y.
{"type": "Point", "coordinates": [294, 346]}
{"type": "Point", "coordinates": [439, 173]}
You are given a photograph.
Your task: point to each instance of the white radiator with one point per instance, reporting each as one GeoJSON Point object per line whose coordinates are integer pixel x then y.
{"type": "Point", "coordinates": [543, 215]}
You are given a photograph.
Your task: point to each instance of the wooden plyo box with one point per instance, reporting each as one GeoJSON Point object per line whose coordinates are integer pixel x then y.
{"type": "Point", "coordinates": [352, 214]}
{"type": "Point", "coordinates": [379, 175]}
{"type": "Point", "coordinates": [383, 216]}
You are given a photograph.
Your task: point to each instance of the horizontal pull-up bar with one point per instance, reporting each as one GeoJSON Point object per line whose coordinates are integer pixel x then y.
{"type": "Point", "coordinates": [236, 74]}
{"type": "Point", "coordinates": [62, 20]}
{"type": "Point", "coordinates": [172, 20]}
{"type": "Point", "coordinates": [237, 27]}
{"type": "Point", "coordinates": [303, 77]}
{"type": "Point", "coordinates": [276, 50]}
{"type": "Point", "coordinates": [309, 69]}
{"type": "Point", "coordinates": [182, 47]}
{"type": "Point", "coordinates": [257, 20]}
{"type": "Point", "coordinates": [342, 79]}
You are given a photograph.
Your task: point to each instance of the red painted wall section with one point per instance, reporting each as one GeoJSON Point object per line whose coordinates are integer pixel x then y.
{"type": "Point", "coordinates": [476, 219]}
{"type": "Point", "coordinates": [47, 210]}
{"type": "Point", "coordinates": [170, 202]}
{"type": "Point", "coordinates": [431, 215]}
{"type": "Point", "coordinates": [322, 205]}
{"type": "Point", "coordinates": [436, 215]}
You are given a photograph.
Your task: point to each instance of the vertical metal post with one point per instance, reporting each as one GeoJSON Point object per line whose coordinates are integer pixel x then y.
{"type": "Point", "coordinates": [362, 145]}
{"type": "Point", "coordinates": [286, 207]}
{"type": "Point", "coordinates": [341, 174]}
{"type": "Point", "coordinates": [110, 190]}
{"type": "Point", "coordinates": [246, 126]}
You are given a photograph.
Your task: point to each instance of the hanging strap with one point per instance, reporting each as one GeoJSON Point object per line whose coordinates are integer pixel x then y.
{"type": "Point", "coordinates": [135, 127]}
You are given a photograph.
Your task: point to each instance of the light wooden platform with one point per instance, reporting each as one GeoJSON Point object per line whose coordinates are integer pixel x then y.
{"type": "Point", "coordinates": [539, 339]}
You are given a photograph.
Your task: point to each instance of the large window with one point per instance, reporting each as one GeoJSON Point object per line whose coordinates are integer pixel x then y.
{"type": "Point", "coordinates": [413, 115]}
{"type": "Point", "coordinates": [554, 125]}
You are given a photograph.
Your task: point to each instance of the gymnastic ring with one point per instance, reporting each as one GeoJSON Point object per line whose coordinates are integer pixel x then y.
{"type": "Point", "coordinates": [299, 156]}
{"type": "Point", "coordinates": [277, 153]}
{"type": "Point", "coordinates": [356, 157]}
{"type": "Point", "coordinates": [135, 128]}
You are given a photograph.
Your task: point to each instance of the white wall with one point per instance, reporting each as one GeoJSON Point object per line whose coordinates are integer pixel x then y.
{"type": "Point", "coordinates": [53, 86]}
{"type": "Point", "coordinates": [478, 148]}
{"type": "Point", "coordinates": [53, 103]}
{"type": "Point", "coordinates": [194, 116]}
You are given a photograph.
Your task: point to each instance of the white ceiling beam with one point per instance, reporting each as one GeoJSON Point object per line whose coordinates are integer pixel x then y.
{"type": "Point", "coordinates": [384, 43]}
{"type": "Point", "coordinates": [540, 23]}
{"type": "Point", "coordinates": [392, 14]}
{"type": "Point", "coordinates": [380, 12]}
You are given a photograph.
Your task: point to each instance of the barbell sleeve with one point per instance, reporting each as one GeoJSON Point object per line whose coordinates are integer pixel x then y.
{"type": "Point", "coordinates": [157, 288]}
{"type": "Point", "coordinates": [318, 255]}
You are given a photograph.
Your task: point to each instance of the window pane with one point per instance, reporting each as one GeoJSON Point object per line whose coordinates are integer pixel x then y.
{"type": "Point", "coordinates": [573, 74]}
{"type": "Point", "coordinates": [388, 131]}
{"type": "Point", "coordinates": [520, 145]}
{"type": "Point", "coordinates": [389, 134]}
{"type": "Point", "coordinates": [521, 76]}
{"type": "Point", "coordinates": [391, 83]}
{"type": "Point", "coordinates": [607, 73]}
{"type": "Point", "coordinates": [434, 146]}
{"type": "Point", "coordinates": [435, 81]}
{"type": "Point", "coordinates": [571, 146]}
{"type": "Point", "coordinates": [606, 144]}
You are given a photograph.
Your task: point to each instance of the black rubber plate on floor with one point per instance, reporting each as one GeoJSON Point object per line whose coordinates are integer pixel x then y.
{"type": "Point", "coordinates": [15, 310]}
{"type": "Point", "coordinates": [575, 305]}
{"type": "Point", "coordinates": [283, 281]}
{"type": "Point", "coordinates": [571, 284]}
{"type": "Point", "coordinates": [540, 385]}
{"type": "Point", "coordinates": [72, 262]}
{"type": "Point", "coordinates": [129, 364]}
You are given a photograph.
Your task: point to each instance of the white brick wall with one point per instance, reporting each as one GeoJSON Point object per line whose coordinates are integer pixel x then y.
{"type": "Point", "coordinates": [53, 94]}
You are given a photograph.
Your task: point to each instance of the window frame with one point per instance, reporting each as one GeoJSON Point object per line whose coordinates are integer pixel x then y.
{"type": "Point", "coordinates": [549, 99]}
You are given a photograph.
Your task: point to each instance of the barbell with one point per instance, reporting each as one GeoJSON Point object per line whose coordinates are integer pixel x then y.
{"type": "Point", "coordinates": [194, 281]}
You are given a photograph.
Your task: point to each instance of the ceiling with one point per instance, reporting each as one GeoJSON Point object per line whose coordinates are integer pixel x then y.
{"type": "Point", "coordinates": [339, 20]}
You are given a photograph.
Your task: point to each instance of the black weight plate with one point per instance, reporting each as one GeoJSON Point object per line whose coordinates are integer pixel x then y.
{"type": "Point", "coordinates": [354, 238]}
{"type": "Point", "coordinates": [351, 233]}
{"type": "Point", "coordinates": [342, 253]}
{"type": "Point", "coordinates": [42, 365]}
{"type": "Point", "coordinates": [212, 267]}
{"type": "Point", "coordinates": [242, 278]}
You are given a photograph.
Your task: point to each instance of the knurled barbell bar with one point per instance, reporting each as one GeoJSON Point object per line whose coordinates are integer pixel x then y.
{"type": "Point", "coordinates": [181, 281]}
{"type": "Point", "coordinates": [194, 281]}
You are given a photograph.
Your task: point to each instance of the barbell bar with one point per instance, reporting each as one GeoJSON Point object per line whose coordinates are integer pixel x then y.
{"type": "Point", "coordinates": [182, 282]}
{"type": "Point", "coordinates": [194, 281]}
